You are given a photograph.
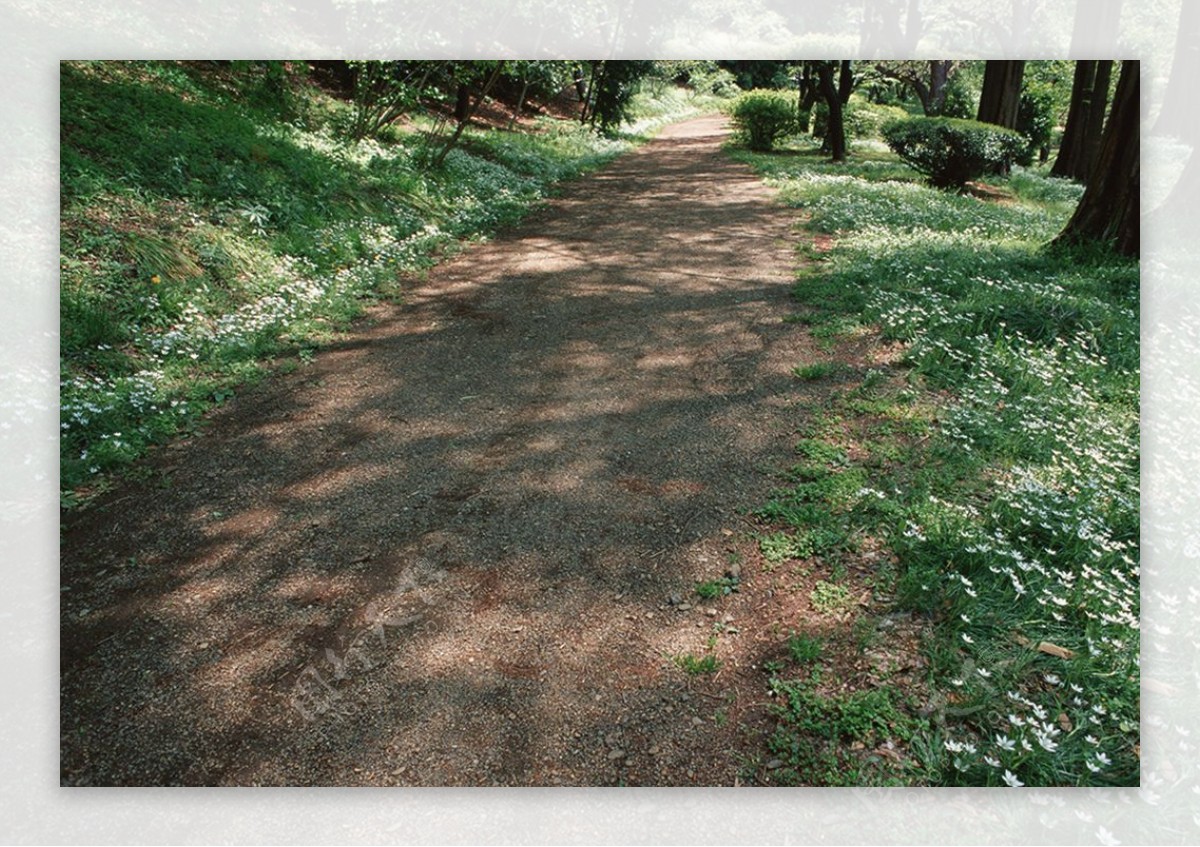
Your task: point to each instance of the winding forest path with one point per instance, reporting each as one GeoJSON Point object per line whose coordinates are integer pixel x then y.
{"type": "Point", "coordinates": [444, 553]}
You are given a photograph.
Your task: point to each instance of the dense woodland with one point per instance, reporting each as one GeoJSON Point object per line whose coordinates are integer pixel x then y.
{"type": "Point", "coordinates": [221, 221]}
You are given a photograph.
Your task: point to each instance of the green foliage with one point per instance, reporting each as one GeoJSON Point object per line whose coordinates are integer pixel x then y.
{"type": "Point", "coordinates": [961, 97]}
{"type": "Point", "coordinates": [780, 546]}
{"type": "Point", "coordinates": [761, 118]}
{"type": "Point", "coordinates": [1035, 119]}
{"type": "Point", "coordinates": [817, 735]}
{"type": "Point", "coordinates": [861, 118]}
{"type": "Point", "coordinates": [692, 666]}
{"type": "Point", "coordinates": [384, 91]}
{"type": "Point", "coordinates": [830, 597]}
{"type": "Point", "coordinates": [614, 84]}
{"type": "Point", "coordinates": [813, 371]}
{"type": "Point", "coordinates": [715, 80]}
{"type": "Point", "coordinates": [754, 74]}
{"type": "Point", "coordinates": [804, 648]}
{"type": "Point", "coordinates": [702, 76]}
{"type": "Point", "coordinates": [713, 588]}
{"type": "Point", "coordinates": [950, 151]}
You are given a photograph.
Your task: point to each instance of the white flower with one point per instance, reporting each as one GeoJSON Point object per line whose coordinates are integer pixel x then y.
{"type": "Point", "coordinates": [1010, 779]}
{"type": "Point", "coordinates": [992, 760]}
{"type": "Point", "coordinates": [1005, 743]}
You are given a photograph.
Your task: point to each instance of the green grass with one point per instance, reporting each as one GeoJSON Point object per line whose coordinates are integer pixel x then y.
{"type": "Point", "coordinates": [814, 371]}
{"type": "Point", "coordinates": [693, 666]}
{"type": "Point", "coordinates": [804, 648]}
{"type": "Point", "coordinates": [1002, 473]}
{"type": "Point", "coordinates": [214, 227]}
{"type": "Point", "coordinates": [818, 737]}
{"type": "Point", "coordinates": [713, 588]}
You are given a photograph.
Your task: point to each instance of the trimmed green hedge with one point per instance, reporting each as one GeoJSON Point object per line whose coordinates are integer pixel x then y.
{"type": "Point", "coordinates": [951, 151]}
{"type": "Point", "coordinates": [760, 118]}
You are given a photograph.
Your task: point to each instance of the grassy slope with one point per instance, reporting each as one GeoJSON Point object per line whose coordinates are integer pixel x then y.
{"type": "Point", "coordinates": [213, 224]}
{"type": "Point", "coordinates": [998, 461]}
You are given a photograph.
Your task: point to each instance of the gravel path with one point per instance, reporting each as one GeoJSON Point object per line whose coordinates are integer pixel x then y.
{"type": "Point", "coordinates": [444, 553]}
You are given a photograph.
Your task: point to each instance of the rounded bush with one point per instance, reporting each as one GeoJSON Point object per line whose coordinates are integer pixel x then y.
{"type": "Point", "coordinates": [951, 151]}
{"type": "Point", "coordinates": [760, 118]}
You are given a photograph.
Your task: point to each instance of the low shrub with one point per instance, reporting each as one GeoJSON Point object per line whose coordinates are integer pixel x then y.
{"type": "Point", "coordinates": [760, 118]}
{"type": "Point", "coordinates": [951, 151]}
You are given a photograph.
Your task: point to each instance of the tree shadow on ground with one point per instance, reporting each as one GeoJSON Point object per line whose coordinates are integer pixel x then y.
{"type": "Point", "coordinates": [441, 553]}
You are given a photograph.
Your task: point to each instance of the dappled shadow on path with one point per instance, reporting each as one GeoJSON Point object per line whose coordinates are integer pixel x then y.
{"type": "Point", "coordinates": [439, 555]}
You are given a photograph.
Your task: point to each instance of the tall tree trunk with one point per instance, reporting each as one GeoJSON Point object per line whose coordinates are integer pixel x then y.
{"type": "Point", "coordinates": [809, 89]}
{"type": "Point", "coordinates": [845, 82]}
{"type": "Point", "coordinates": [1097, 108]}
{"type": "Point", "coordinates": [1001, 95]}
{"type": "Point", "coordinates": [587, 92]}
{"type": "Point", "coordinates": [580, 86]}
{"type": "Point", "coordinates": [1109, 209]}
{"type": "Point", "coordinates": [599, 72]}
{"type": "Point", "coordinates": [1080, 145]}
{"type": "Point", "coordinates": [835, 131]}
{"type": "Point", "coordinates": [1070, 150]}
{"type": "Point", "coordinates": [520, 103]}
{"type": "Point", "coordinates": [939, 79]}
{"type": "Point", "coordinates": [462, 102]}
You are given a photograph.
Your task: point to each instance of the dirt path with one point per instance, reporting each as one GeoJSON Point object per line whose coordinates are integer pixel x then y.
{"type": "Point", "coordinates": [443, 553]}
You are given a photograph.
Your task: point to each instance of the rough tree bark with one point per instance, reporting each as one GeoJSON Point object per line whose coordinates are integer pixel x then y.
{"type": "Point", "coordinates": [1001, 95]}
{"type": "Point", "coordinates": [845, 82]}
{"type": "Point", "coordinates": [835, 132]}
{"type": "Point", "coordinates": [1085, 121]}
{"type": "Point", "coordinates": [1109, 210]}
{"type": "Point", "coordinates": [462, 102]}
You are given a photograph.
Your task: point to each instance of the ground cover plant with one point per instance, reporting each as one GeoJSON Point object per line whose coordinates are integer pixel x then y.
{"type": "Point", "coordinates": [996, 458]}
{"type": "Point", "coordinates": [217, 220]}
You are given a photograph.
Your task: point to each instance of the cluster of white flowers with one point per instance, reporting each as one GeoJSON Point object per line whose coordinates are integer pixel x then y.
{"type": "Point", "coordinates": [1057, 535]}
{"type": "Point", "coordinates": [872, 207]}
{"type": "Point", "coordinates": [113, 416]}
